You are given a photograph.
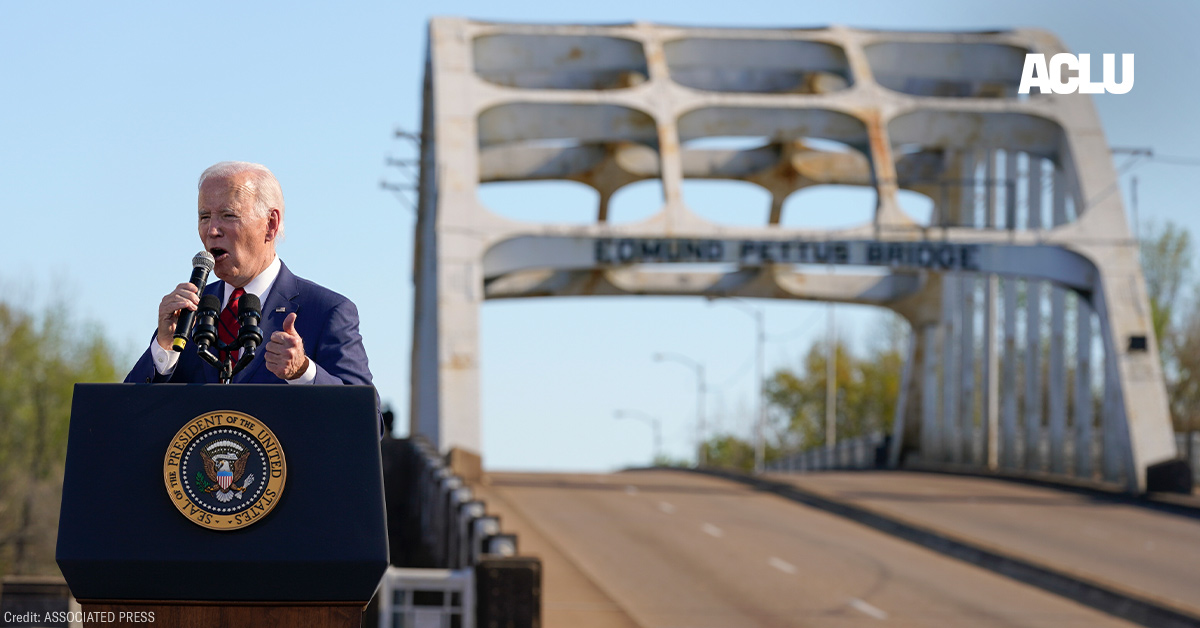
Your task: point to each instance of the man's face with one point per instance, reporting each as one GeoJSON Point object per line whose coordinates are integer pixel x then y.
{"type": "Point", "coordinates": [242, 244]}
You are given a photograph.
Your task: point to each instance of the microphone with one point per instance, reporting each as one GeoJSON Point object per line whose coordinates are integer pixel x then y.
{"type": "Point", "coordinates": [205, 334]}
{"type": "Point", "coordinates": [249, 315]}
{"type": "Point", "coordinates": [250, 336]}
{"type": "Point", "coordinates": [202, 264]}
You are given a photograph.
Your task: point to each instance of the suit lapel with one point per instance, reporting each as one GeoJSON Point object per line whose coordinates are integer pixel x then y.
{"type": "Point", "coordinates": [280, 303]}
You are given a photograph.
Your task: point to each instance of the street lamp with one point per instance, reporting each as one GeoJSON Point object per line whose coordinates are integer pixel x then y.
{"type": "Point", "coordinates": [701, 458]}
{"type": "Point", "coordinates": [759, 350]}
{"type": "Point", "coordinates": [652, 421]}
{"type": "Point", "coordinates": [831, 383]}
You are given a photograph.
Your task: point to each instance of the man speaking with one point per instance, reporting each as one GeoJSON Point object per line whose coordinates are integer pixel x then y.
{"type": "Point", "coordinates": [310, 333]}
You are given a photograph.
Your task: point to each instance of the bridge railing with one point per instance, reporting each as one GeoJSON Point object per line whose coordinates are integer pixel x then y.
{"type": "Point", "coordinates": [450, 557]}
{"type": "Point", "coordinates": [870, 452]}
{"type": "Point", "coordinates": [456, 530]}
{"type": "Point", "coordinates": [1191, 454]}
{"type": "Point", "coordinates": [865, 452]}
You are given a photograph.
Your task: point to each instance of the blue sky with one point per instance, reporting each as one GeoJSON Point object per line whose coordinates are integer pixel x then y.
{"type": "Point", "coordinates": [110, 111]}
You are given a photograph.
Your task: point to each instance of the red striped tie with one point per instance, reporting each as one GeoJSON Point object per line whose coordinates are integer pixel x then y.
{"type": "Point", "coordinates": [230, 327]}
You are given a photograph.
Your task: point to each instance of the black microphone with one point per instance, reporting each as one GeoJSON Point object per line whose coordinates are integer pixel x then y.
{"type": "Point", "coordinates": [202, 264]}
{"type": "Point", "coordinates": [205, 334]}
{"type": "Point", "coordinates": [249, 315]}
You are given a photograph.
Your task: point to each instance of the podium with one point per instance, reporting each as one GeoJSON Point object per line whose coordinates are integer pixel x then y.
{"type": "Point", "coordinates": [206, 504]}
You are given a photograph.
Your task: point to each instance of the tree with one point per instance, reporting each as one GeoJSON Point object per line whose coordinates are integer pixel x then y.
{"type": "Point", "coordinates": [1166, 254]}
{"type": "Point", "coordinates": [1184, 388]}
{"type": "Point", "coordinates": [730, 452]}
{"type": "Point", "coordinates": [1167, 266]}
{"type": "Point", "coordinates": [42, 357]}
{"type": "Point", "coordinates": [867, 391]}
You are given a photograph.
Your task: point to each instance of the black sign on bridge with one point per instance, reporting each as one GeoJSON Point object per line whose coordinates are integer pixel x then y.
{"type": "Point", "coordinates": [943, 256]}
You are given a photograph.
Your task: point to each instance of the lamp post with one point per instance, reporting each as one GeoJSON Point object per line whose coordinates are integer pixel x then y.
{"type": "Point", "coordinates": [759, 350]}
{"type": "Point", "coordinates": [701, 458]}
{"type": "Point", "coordinates": [831, 384]}
{"type": "Point", "coordinates": [654, 423]}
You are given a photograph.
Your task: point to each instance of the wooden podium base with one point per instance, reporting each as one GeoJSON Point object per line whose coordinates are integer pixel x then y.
{"type": "Point", "coordinates": [170, 614]}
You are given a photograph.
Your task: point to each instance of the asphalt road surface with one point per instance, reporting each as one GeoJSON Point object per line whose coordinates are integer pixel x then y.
{"type": "Point", "coordinates": [1149, 553]}
{"type": "Point", "coordinates": [662, 549]}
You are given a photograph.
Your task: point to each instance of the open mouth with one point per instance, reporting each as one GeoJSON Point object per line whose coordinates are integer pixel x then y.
{"type": "Point", "coordinates": [218, 253]}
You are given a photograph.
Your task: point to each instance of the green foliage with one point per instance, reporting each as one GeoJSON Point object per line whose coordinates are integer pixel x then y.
{"type": "Point", "coordinates": [729, 452]}
{"type": "Point", "coordinates": [867, 390]}
{"type": "Point", "coordinates": [1167, 266]}
{"type": "Point", "coordinates": [42, 356]}
{"type": "Point", "coordinates": [1183, 385]}
{"type": "Point", "coordinates": [201, 482]}
{"type": "Point", "coordinates": [667, 461]}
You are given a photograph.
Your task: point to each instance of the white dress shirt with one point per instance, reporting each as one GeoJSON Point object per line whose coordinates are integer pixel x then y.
{"type": "Point", "coordinates": [260, 286]}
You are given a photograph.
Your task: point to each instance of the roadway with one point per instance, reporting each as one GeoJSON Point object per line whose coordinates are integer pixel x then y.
{"type": "Point", "coordinates": [1149, 553]}
{"type": "Point", "coordinates": [660, 549]}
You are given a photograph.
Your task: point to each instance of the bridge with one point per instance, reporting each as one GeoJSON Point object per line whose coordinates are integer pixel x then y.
{"type": "Point", "coordinates": [1023, 480]}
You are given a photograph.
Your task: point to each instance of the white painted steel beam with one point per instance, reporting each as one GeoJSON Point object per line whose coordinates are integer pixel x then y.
{"type": "Point", "coordinates": [1009, 386]}
{"type": "Point", "coordinates": [1032, 410]}
{"type": "Point", "coordinates": [951, 363]}
{"type": "Point", "coordinates": [611, 105]}
{"type": "Point", "coordinates": [963, 448]}
{"type": "Point", "coordinates": [1057, 391]}
{"type": "Point", "coordinates": [1083, 390]}
{"type": "Point", "coordinates": [929, 439]}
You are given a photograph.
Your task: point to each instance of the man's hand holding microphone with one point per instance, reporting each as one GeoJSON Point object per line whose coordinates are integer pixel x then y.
{"type": "Point", "coordinates": [178, 308]}
{"type": "Point", "coordinates": [284, 351]}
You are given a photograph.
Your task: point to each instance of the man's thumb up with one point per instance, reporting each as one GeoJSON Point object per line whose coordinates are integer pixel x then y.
{"type": "Point", "coordinates": [285, 352]}
{"type": "Point", "coordinates": [289, 324]}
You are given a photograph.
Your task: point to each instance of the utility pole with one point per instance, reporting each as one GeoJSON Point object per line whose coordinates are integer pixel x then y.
{"type": "Point", "coordinates": [831, 383]}
{"type": "Point", "coordinates": [653, 422]}
{"type": "Point", "coordinates": [701, 454]}
{"type": "Point", "coordinates": [760, 421]}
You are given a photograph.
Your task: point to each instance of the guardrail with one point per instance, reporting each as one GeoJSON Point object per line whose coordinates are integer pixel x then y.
{"type": "Point", "coordinates": [1193, 452]}
{"type": "Point", "coordinates": [455, 526]}
{"type": "Point", "coordinates": [451, 558]}
{"type": "Point", "coordinates": [870, 452]}
{"type": "Point", "coordinates": [864, 452]}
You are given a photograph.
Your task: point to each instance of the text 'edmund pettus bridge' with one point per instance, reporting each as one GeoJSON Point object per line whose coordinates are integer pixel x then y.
{"type": "Point", "coordinates": [937, 255]}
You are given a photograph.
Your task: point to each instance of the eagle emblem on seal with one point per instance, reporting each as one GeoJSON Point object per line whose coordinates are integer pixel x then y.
{"type": "Point", "coordinates": [224, 470]}
{"type": "Point", "coordinates": [224, 466]}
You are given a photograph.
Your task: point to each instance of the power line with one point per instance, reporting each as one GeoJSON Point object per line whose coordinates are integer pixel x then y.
{"type": "Point", "coordinates": [1140, 157]}
{"type": "Point", "coordinates": [1176, 161]}
{"type": "Point", "coordinates": [796, 332]}
{"type": "Point", "coordinates": [738, 374]}
{"type": "Point", "coordinates": [409, 170]}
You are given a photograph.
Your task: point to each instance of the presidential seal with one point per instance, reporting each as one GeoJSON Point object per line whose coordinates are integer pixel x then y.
{"type": "Point", "coordinates": [224, 470]}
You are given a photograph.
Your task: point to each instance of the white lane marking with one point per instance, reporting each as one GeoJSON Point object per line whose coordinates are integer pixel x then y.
{"type": "Point", "coordinates": [712, 530]}
{"type": "Point", "coordinates": [867, 609]}
{"type": "Point", "coordinates": [665, 507]}
{"type": "Point", "coordinates": [631, 490]}
{"type": "Point", "coordinates": [782, 565]}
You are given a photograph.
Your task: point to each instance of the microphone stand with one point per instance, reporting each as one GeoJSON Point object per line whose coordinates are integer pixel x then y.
{"type": "Point", "coordinates": [229, 368]}
{"type": "Point", "coordinates": [249, 337]}
{"type": "Point", "coordinates": [226, 369]}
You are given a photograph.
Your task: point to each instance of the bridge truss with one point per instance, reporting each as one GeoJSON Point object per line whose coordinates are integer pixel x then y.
{"type": "Point", "coordinates": [1032, 346]}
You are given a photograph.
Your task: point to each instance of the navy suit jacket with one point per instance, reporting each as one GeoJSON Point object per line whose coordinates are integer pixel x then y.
{"type": "Point", "coordinates": [325, 320]}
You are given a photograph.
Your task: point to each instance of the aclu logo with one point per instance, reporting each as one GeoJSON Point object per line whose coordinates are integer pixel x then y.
{"type": "Point", "coordinates": [1052, 77]}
